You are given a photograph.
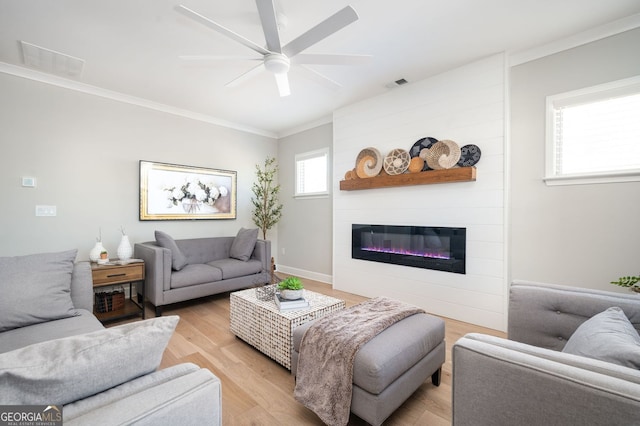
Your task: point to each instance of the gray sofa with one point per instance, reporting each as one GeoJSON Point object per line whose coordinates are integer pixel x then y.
{"type": "Point", "coordinates": [53, 351]}
{"type": "Point", "coordinates": [205, 267]}
{"type": "Point", "coordinates": [571, 358]}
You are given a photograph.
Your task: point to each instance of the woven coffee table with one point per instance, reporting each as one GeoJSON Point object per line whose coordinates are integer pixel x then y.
{"type": "Point", "coordinates": [262, 325]}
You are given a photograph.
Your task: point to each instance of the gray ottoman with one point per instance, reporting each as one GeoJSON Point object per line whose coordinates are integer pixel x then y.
{"type": "Point", "coordinates": [392, 365]}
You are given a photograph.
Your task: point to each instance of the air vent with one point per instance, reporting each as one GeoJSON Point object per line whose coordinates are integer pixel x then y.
{"type": "Point", "coordinates": [396, 83]}
{"type": "Point", "coordinates": [51, 61]}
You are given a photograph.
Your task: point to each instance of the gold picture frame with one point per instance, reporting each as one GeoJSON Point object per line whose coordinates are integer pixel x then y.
{"type": "Point", "coordinates": [177, 192]}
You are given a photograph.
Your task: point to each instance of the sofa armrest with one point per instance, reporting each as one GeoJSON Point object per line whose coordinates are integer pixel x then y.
{"type": "Point", "coordinates": [501, 382]}
{"type": "Point", "coordinates": [157, 265]}
{"type": "Point", "coordinates": [82, 286]}
{"type": "Point", "coordinates": [262, 252]}
{"type": "Point", "coordinates": [546, 315]}
{"type": "Point", "coordinates": [184, 394]}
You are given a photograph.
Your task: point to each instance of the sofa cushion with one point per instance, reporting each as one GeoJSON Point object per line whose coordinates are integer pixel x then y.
{"type": "Point", "coordinates": [233, 268]}
{"type": "Point", "coordinates": [35, 288]}
{"type": "Point", "coordinates": [195, 274]}
{"type": "Point", "coordinates": [178, 260]}
{"type": "Point", "coordinates": [243, 244]}
{"type": "Point", "coordinates": [64, 370]}
{"type": "Point", "coordinates": [608, 336]}
{"type": "Point", "coordinates": [84, 322]}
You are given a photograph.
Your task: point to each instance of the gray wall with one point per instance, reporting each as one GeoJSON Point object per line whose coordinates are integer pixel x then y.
{"type": "Point", "coordinates": [304, 233]}
{"type": "Point", "coordinates": [581, 235]}
{"type": "Point", "coordinates": [84, 152]}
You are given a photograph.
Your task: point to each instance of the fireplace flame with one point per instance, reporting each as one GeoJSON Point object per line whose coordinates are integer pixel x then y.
{"type": "Point", "coordinates": [432, 255]}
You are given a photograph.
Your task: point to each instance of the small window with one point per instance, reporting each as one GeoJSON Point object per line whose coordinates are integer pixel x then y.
{"type": "Point", "coordinates": [312, 173]}
{"type": "Point", "coordinates": [593, 134]}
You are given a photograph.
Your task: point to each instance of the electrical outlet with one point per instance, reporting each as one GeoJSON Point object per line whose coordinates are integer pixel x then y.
{"type": "Point", "coordinates": [46, 211]}
{"type": "Point", "coordinates": [283, 250]}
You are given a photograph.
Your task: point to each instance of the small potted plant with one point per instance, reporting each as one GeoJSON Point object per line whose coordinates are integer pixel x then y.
{"type": "Point", "coordinates": [290, 288]}
{"type": "Point", "coordinates": [632, 283]}
{"type": "Point", "coordinates": [104, 257]}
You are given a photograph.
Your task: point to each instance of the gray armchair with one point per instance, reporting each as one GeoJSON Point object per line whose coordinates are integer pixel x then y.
{"type": "Point", "coordinates": [526, 379]}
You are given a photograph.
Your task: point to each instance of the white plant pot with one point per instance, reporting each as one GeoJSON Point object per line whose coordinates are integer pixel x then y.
{"type": "Point", "coordinates": [291, 294]}
{"type": "Point", "coordinates": [124, 249]}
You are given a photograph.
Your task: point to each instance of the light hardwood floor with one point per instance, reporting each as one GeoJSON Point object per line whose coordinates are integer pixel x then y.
{"type": "Point", "coordinates": [258, 391]}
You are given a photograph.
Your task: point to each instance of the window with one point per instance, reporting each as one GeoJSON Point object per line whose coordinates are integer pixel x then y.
{"type": "Point", "coordinates": [312, 173]}
{"type": "Point", "coordinates": [593, 134]}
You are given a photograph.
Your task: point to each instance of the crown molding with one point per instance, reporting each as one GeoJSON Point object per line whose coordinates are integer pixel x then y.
{"type": "Point", "coordinates": [616, 27]}
{"type": "Point", "coordinates": [327, 119]}
{"type": "Point", "coordinates": [77, 86]}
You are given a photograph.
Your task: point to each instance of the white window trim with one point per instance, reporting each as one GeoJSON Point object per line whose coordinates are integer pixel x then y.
{"type": "Point", "coordinates": [572, 97]}
{"type": "Point", "coordinates": [304, 156]}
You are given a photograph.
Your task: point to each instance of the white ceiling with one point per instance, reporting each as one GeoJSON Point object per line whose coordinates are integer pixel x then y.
{"type": "Point", "coordinates": [131, 47]}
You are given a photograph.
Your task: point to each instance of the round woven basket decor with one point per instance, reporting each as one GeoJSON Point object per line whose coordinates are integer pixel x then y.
{"type": "Point", "coordinates": [442, 155]}
{"type": "Point", "coordinates": [416, 165]}
{"type": "Point", "coordinates": [368, 163]}
{"type": "Point", "coordinates": [397, 161]}
{"type": "Point", "coordinates": [469, 156]}
{"type": "Point", "coordinates": [420, 145]}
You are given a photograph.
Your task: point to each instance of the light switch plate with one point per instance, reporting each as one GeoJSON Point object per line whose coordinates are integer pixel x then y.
{"type": "Point", "coordinates": [46, 211]}
{"type": "Point", "coordinates": [29, 182]}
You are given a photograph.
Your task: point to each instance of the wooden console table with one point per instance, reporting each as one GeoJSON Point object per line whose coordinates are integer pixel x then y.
{"type": "Point", "coordinates": [111, 275]}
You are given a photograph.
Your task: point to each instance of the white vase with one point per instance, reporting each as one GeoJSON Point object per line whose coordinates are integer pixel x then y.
{"type": "Point", "coordinates": [94, 254]}
{"type": "Point", "coordinates": [124, 249]}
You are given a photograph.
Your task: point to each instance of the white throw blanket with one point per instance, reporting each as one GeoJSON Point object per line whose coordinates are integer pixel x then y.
{"type": "Point", "coordinates": [324, 379]}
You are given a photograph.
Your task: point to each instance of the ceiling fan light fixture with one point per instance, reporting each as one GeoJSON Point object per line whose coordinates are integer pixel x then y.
{"type": "Point", "coordinates": [283, 84]}
{"type": "Point", "coordinates": [277, 63]}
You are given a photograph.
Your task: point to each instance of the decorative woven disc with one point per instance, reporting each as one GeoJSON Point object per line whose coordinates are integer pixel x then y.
{"type": "Point", "coordinates": [469, 156]}
{"type": "Point", "coordinates": [350, 175]}
{"type": "Point", "coordinates": [397, 161]}
{"type": "Point", "coordinates": [368, 163]}
{"type": "Point", "coordinates": [454, 155]}
{"type": "Point", "coordinates": [420, 145]}
{"type": "Point", "coordinates": [442, 155]}
{"type": "Point", "coordinates": [416, 164]}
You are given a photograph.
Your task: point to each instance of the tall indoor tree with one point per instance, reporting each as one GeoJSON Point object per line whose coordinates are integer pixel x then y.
{"type": "Point", "coordinates": [267, 209]}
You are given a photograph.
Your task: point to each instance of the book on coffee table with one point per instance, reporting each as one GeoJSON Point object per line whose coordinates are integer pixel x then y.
{"type": "Point", "coordinates": [287, 305]}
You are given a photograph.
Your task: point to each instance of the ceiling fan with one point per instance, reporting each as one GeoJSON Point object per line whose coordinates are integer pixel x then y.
{"type": "Point", "coordinates": [275, 57]}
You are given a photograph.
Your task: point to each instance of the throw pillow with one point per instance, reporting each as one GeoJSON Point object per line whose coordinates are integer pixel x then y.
{"type": "Point", "coordinates": [608, 336]}
{"type": "Point", "coordinates": [178, 260]}
{"type": "Point", "coordinates": [243, 244]}
{"type": "Point", "coordinates": [35, 288]}
{"type": "Point", "coordinates": [65, 370]}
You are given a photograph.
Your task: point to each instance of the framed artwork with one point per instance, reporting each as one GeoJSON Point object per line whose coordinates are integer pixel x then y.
{"type": "Point", "coordinates": [176, 192]}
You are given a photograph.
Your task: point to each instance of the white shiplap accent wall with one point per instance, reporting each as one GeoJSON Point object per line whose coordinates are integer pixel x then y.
{"type": "Point", "coordinates": [466, 105]}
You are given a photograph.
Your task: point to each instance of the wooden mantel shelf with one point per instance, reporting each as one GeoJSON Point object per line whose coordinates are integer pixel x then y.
{"type": "Point", "coordinates": [459, 174]}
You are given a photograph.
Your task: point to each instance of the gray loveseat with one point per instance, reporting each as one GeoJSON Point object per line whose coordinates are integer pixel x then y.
{"type": "Point", "coordinates": [53, 351]}
{"type": "Point", "coordinates": [185, 269]}
{"type": "Point", "coordinates": [529, 379]}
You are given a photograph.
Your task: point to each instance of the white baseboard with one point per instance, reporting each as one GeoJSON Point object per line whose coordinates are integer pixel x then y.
{"type": "Point", "coordinates": [316, 276]}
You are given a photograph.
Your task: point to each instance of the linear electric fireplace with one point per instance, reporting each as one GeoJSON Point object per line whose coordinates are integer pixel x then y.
{"type": "Point", "coordinates": [442, 249]}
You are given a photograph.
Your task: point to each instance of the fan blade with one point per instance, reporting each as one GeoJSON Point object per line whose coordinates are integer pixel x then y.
{"type": "Point", "coordinates": [320, 78]}
{"type": "Point", "coordinates": [282, 80]}
{"type": "Point", "coordinates": [321, 59]}
{"type": "Point", "coordinates": [219, 28]}
{"type": "Point", "coordinates": [321, 31]}
{"type": "Point", "coordinates": [267, 12]}
{"type": "Point", "coordinates": [246, 76]}
{"type": "Point", "coordinates": [205, 58]}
